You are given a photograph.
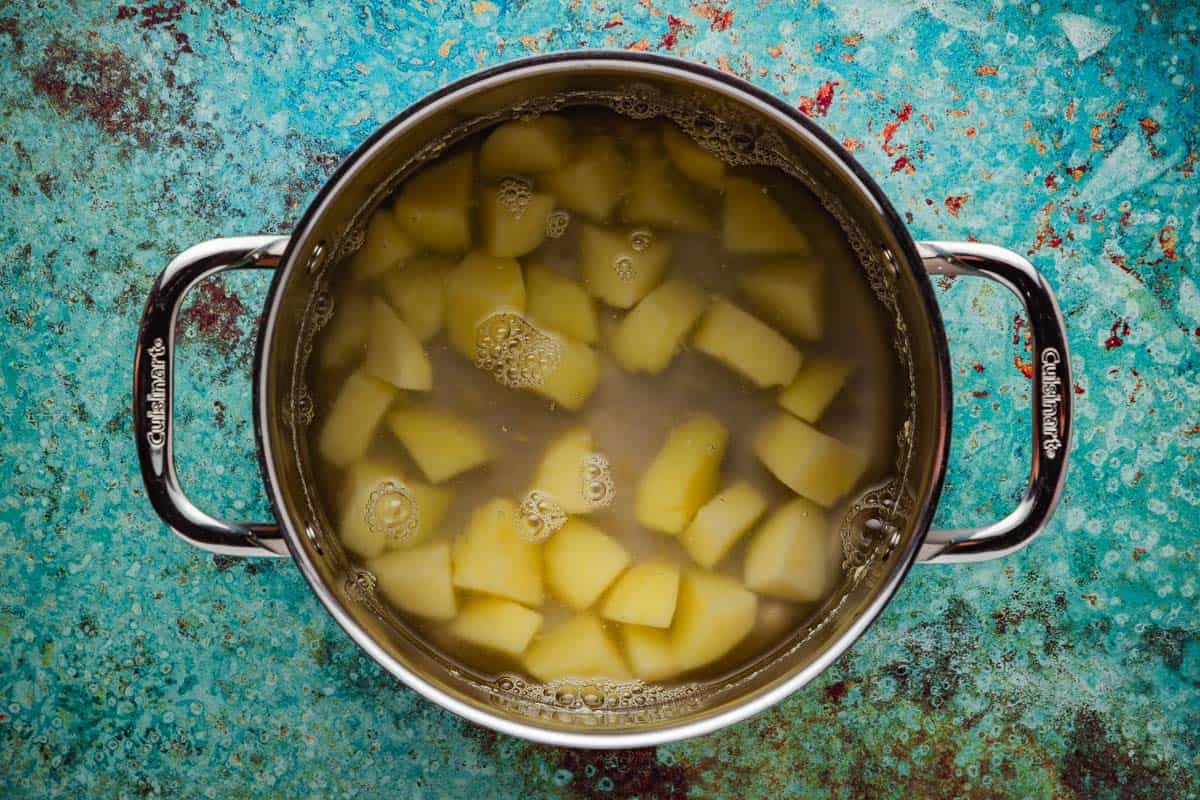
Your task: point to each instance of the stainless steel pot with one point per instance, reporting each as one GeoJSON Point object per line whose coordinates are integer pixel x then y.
{"type": "Point", "coordinates": [885, 532]}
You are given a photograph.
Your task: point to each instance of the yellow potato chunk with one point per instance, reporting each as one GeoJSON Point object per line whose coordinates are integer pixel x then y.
{"type": "Point", "coordinates": [817, 383]}
{"type": "Point", "coordinates": [644, 595]}
{"type": "Point", "coordinates": [712, 615]}
{"type": "Point", "coordinates": [790, 295]}
{"type": "Point", "coordinates": [496, 624]}
{"type": "Point", "coordinates": [614, 270]}
{"type": "Point", "coordinates": [721, 522]}
{"type": "Point", "coordinates": [394, 353]}
{"type": "Point", "coordinates": [649, 652]}
{"type": "Point", "coordinates": [481, 285]}
{"type": "Point", "coordinates": [382, 510]}
{"type": "Point", "coordinates": [519, 146]}
{"type": "Point", "coordinates": [578, 648]}
{"type": "Point", "coordinates": [513, 227]}
{"type": "Point", "coordinates": [434, 207]}
{"type": "Point", "coordinates": [560, 473]}
{"type": "Point", "coordinates": [581, 562]}
{"type": "Point", "coordinates": [747, 345]}
{"type": "Point", "coordinates": [683, 475]}
{"type": "Point", "coordinates": [754, 223]}
{"type": "Point", "coordinates": [659, 196]}
{"type": "Point", "coordinates": [572, 382]}
{"type": "Point", "coordinates": [650, 335]}
{"type": "Point", "coordinates": [384, 246]}
{"type": "Point", "coordinates": [345, 337]}
{"type": "Point", "coordinates": [807, 461]}
{"type": "Point", "coordinates": [556, 302]}
{"type": "Point", "coordinates": [417, 580]}
{"type": "Point", "coordinates": [594, 181]}
{"type": "Point", "coordinates": [792, 555]}
{"type": "Point", "coordinates": [415, 290]}
{"type": "Point", "coordinates": [441, 443]}
{"type": "Point", "coordinates": [491, 557]}
{"type": "Point", "coordinates": [351, 421]}
{"type": "Point", "coordinates": [691, 159]}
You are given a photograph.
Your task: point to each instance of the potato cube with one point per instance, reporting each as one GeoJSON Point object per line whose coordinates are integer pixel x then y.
{"type": "Point", "coordinates": [712, 615]}
{"type": "Point", "coordinates": [535, 145]}
{"type": "Point", "coordinates": [817, 383]}
{"type": "Point", "coordinates": [435, 204]}
{"type": "Point", "coordinates": [807, 461]}
{"type": "Point", "coordinates": [617, 272]}
{"type": "Point", "coordinates": [560, 473]}
{"type": "Point", "coordinates": [394, 353]}
{"type": "Point", "coordinates": [649, 336]}
{"type": "Point", "coordinates": [491, 557]}
{"type": "Point", "coordinates": [415, 290]}
{"type": "Point", "coordinates": [417, 580]}
{"type": "Point", "coordinates": [384, 246]}
{"type": "Point", "coordinates": [556, 302]}
{"type": "Point", "coordinates": [683, 475]}
{"type": "Point", "coordinates": [747, 345]}
{"type": "Point", "coordinates": [594, 181]}
{"type": "Point", "coordinates": [379, 509]}
{"type": "Point", "coordinates": [659, 196]}
{"type": "Point", "coordinates": [649, 652]}
{"type": "Point", "coordinates": [345, 337]}
{"type": "Point", "coordinates": [792, 555]}
{"type": "Point", "coordinates": [790, 295]}
{"type": "Point", "coordinates": [572, 382]}
{"type": "Point", "coordinates": [721, 522]}
{"type": "Point", "coordinates": [644, 595]}
{"type": "Point", "coordinates": [691, 159]}
{"type": "Point", "coordinates": [754, 223]}
{"type": "Point", "coordinates": [578, 648]}
{"type": "Point", "coordinates": [441, 443]}
{"type": "Point", "coordinates": [480, 286]}
{"type": "Point", "coordinates": [581, 562]}
{"type": "Point", "coordinates": [513, 226]}
{"type": "Point", "coordinates": [496, 624]}
{"type": "Point", "coordinates": [353, 417]}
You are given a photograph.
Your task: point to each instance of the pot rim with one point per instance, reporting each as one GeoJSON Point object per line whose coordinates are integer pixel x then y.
{"type": "Point", "coordinates": [742, 91]}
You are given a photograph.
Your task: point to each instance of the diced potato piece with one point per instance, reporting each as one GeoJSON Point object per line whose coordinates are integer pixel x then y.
{"type": "Point", "coordinates": [790, 294]}
{"type": "Point", "coordinates": [747, 345]}
{"type": "Point", "coordinates": [346, 335]}
{"type": "Point", "coordinates": [415, 290]}
{"type": "Point", "coordinates": [683, 475]}
{"type": "Point", "coordinates": [535, 145]}
{"type": "Point", "coordinates": [649, 652]}
{"type": "Point", "coordinates": [659, 196]}
{"type": "Point", "coordinates": [581, 562]}
{"type": "Point", "coordinates": [817, 383]}
{"type": "Point", "coordinates": [649, 336]}
{"type": "Point", "coordinates": [394, 353]}
{"type": "Point", "coordinates": [712, 615]}
{"type": "Point", "coordinates": [491, 557]}
{"type": "Point", "coordinates": [721, 522]}
{"type": "Point", "coordinates": [791, 554]}
{"type": "Point", "coordinates": [417, 580]}
{"type": "Point", "coordinates": [644, 595]}
{"type": "Point", "coordinates": [754, 223]}
{"type": "Point", "coordinates": [560, 472]}
{"type": "Point", "coordinates": [352, 419]}
{"type": "Point", "coordinates": [578, 648]}
{"type": "Point", "coordinates": [435, 204]}
{"type": "Point", "coordinates": [594, 181]}
{"type": "Point", "coordinates": [440, 442]}
{"type": "Point", "coordinates": [363, 525]}
{"type": "Point", "coordinates": [556, 302]}
{"type": "Point", "coordinates": [511, 230]}
{"type": "Point", "coordinates": [807, 461]}
{"type": "Point", "coordinates": [384, 246]}
{"type": "Point", "coordinates": [575, 378]}
{"type": "Point", "coordinates": [691, 159]}
{"type": "Point", "coordinates": [481, 285]}
{"type": "Point", "coordinates": [496, 624]}
{"type": "Point", "coordinates": [614, 271]}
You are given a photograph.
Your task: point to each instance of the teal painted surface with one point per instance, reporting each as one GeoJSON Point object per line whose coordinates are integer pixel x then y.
{"type": "Point", "coordinates": [134, 666]}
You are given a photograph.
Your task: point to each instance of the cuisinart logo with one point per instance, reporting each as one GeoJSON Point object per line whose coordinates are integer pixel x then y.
{"type": "Point", "coordinates": [1051, 400]}
{"type": "Point", "coordinates": [156, 400]}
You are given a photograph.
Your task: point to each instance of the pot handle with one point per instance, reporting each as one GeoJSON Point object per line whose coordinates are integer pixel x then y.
{"type": "Point", "coordinates": [1051, 403]}
{"type": "Point", "coordinates": [153, 368]}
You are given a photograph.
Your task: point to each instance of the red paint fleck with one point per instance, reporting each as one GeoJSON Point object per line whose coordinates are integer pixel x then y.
{"type": "Point", "coordinates": [903, 164]}
{"type": "Point", "coordinates": [977, 366]}
{"type": "Point", "coordinates": [1077, 172]}
{"type": "Point", "coordinates": [1052, 181]}
{"type": "Point", "coordinates": [955, 202]}
{"type": "Point", "coordinates": [1167, 240]}
{"type": "Point", "coordinates": [819, 106]}
{"type": "Point", "coordinates": [852, 144]}
{"type": "Point", "coordinates": [1079, 389]}
{"type": "Point", "coordinates": [1120, 329]}
{"type": "Point", "coordinates": [1024, 365]}
{"type": "Point", "coordinates": [986, 69]}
